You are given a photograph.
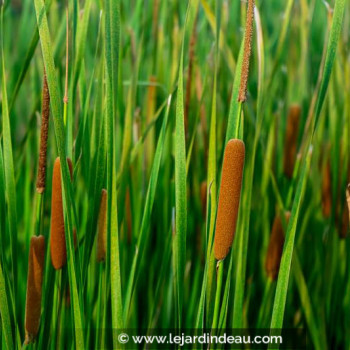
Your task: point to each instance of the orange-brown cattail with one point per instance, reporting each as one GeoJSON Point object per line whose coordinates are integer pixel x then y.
{"type": "Point", "coordinates": [102, 228]}
{"type": "Point", "coordinates": [34, 287]}
{"type": "Point", "coordinates": [57, 237]}
{"type": "Point", "coordinates": [275, 249]}
{"type": "Point", "coordinates": [229, 199]}
{"type": "Point", "coordinates": [290, 144]}
{"type": "Point", "coordinates": [242, 95]}
{"type": "Point", "coordinates": [327, 190]}
{"type": "Point", "coordinates": [44, 132]}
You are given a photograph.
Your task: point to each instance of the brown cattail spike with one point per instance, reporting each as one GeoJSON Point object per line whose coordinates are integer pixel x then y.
{"type": "Point", "coordinates": [346, 215]}
{"type": "Point", "coordinates": [44, 132]}
{"type": "Point", "coordinates": [344, 223]}
{"type": "Point", "coordinates": [128, 216]}
{"type": "Point", "coordinates": [57, 237]}
{"type": "Point", "coordinates": [102, 228]}
{"type": "Point", "coordinates": [189, 77]}
{"type": "Point", "coordinates": [290, 145]}
{"type": "Point", "coordinates": [204, 198]}
{"type": "Point", "coordinates": [348, 199]}
{"type": "Point", "coordinates": [230, 193]}
{"type": "Point", "coordinates": [248, 36]}
{"type": "Point", "coordinates": [34, 287]}
{"type": "Point", "coordinates": [275, 249]}
{"type": "Point", "coordinates": [327, 191]}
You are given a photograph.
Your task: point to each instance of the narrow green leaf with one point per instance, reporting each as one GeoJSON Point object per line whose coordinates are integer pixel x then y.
{"type": "Point", "coordinates": [112, 54]}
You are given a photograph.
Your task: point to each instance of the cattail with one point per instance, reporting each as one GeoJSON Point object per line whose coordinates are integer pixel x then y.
{"type": "Point", "coordinates": [44, 132]}
{"type": "Point", "coordinates": [348, 198]}
{"type": "Point", "coordinates": [344, 223]}
{"type": "Point", "coordinates": [290, 145]}
{"type": "Point", "coordinates": [102, 228]}
{"type": "Point", "coordinates": [275, 249]}
{"type": "Point", "coordinates": [203, 193]}
{"type": "Point", "coordinates": [189, 76]}
{"type": "Point", "coordinates": [327, 191]}
{"type": "Point", "coordinates": [34, 287]}
{"type": "Point", "coordinates": [230, 193]}
{"type": "Point", "coordinates": [248, 36]}
{"type": "Point", "coordinates": [150, 111]}
{"type": "Point", "coordinates": [57, 237]}
{"type": "Point", "coordinates": [346, 215]}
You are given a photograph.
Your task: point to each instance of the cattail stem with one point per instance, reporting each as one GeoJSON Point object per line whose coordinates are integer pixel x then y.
{"type": "Point", "coordinates": [290, 145]}
{"type": "Point", "coordinates": [44, 132]}
{"type": "Point", "coordinates": [34, 287]}
{"type": "Point", "coordinates": [229, 199]}
{"type": "Point", "coordinates": [102, 228]}
{"type": "Point", "coordinates": [220, 275]}
{"type": "Point", "coordinates": [65, 98]}
{"type": "Point", "coordinates": [57, 237]}
{"type": "Point", "coordinates": [275, 249]}
{"type": "Point", "coordinates": [248, 36]}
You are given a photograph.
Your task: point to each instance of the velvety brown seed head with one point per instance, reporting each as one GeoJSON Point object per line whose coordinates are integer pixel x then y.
{"type": "Point", "coordinates": [102, 228]}
{"type": "Point", "coordinates": [150, 111]}
{"type": "Point", "coordinates": [204, 198]}
{"type": "Point", "coordinates": [57, 237]}
{"type": "Point", "coordinates": [248, 36]}
{"type": "Point", "coordinates": [344, 224]}
{"type": "Point", "coordinates": [275, 249]}
{"type": "Point", "coordinates": [348, 199]}
{"type": "Point", "coordinates": [190, 76]}
{"type": "Point", "coordinates": [44, 132]}
{"type": "Point", "coordinates": [34, 287]}
{"type": "Point", "coordinates": [290, 144]}
{"type": "Point", "coordinates": [229, 199]}
{"type": "Point", "coordinates": [327, 191]}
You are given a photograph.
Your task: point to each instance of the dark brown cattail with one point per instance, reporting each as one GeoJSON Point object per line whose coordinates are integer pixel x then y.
{"type": "Point", "coordinates": [290, 144]}
{"type": "Point", "coordinates": [102, 228]}
{"type": "Point", "coordinates": [248, 36]}
{"type": "Point", "coordinates": [190, 76]}
{"type": "Point", "coordinates": [348, 199]}
{"type": "Point", "coordinates": [204, 198]}
{"type": "Point", "coordinates": [150, 110]}
{"type": "Point", "coordinates": [57, 237]}
{"type": "Point", "coordinates": [327, 190]}
{"type": "Point", "coordinates": [229, 199]}
{"type": "Point", "coordinates": [344, 223]}
{"type": "Point", "coordinates": [34, 287]}
{"type": "Point", "coordinates": [275, 249]}
{"type": "Point", "coordinates": [44, 132]}
{"type": "Point", "coordinates": [346, 215]}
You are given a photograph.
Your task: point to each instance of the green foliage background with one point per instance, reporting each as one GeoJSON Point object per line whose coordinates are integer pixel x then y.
{"type": "Point", "coordinates": [152, 102]}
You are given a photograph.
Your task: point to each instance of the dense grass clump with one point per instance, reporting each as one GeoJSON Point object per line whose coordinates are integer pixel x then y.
{"type": "Point", "coordinates": [149, 153]}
